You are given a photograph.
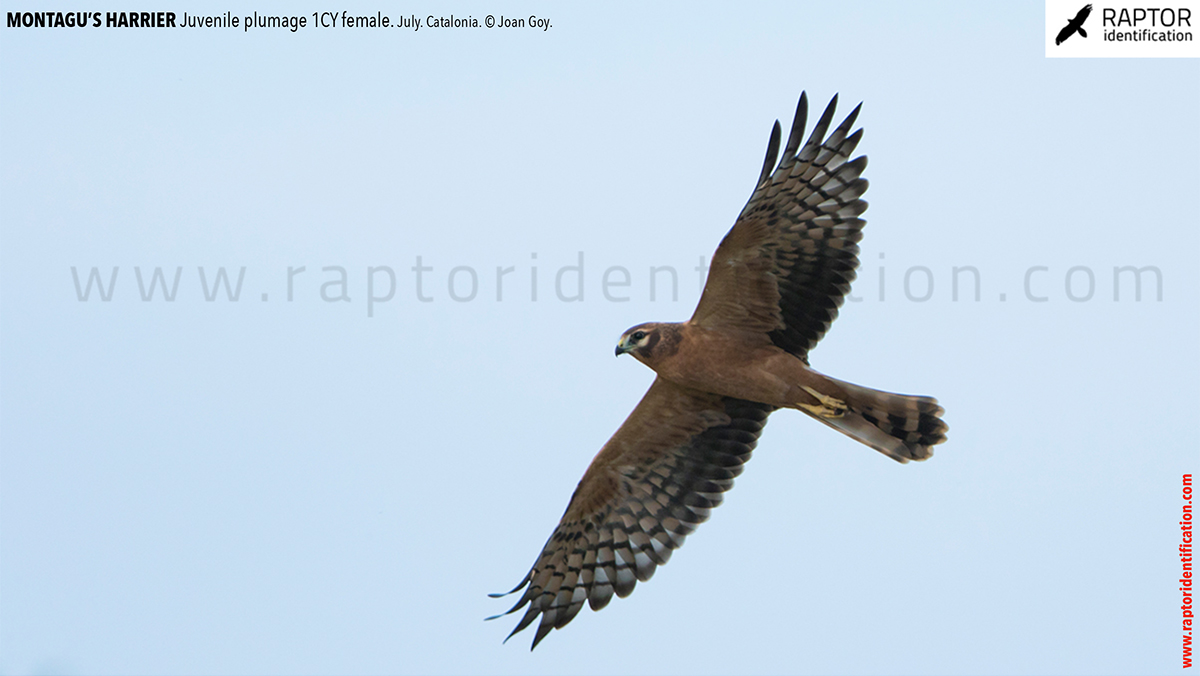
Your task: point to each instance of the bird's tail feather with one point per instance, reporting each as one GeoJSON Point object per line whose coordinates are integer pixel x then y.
{"type": "Point", "coordinates": [904, 427]}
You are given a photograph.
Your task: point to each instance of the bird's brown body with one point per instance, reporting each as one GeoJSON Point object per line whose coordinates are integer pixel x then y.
{"type": "Point", "coordinates": [733, 363]}
{"type": "Point", "coordinates": [774, 287]}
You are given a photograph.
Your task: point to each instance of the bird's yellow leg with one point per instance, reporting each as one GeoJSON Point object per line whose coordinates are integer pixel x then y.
{"type": "Point", "coordinates": [827, 407]}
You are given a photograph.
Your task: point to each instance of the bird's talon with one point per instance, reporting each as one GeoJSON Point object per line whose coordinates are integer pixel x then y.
{"type": "Point", "coordinates": [828, 407]}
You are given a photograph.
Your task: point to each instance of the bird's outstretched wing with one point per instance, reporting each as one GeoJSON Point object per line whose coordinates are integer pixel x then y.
{"type": "Point", "coordinates": [649, 487]}
{"type": "Point", "coordinates": [1080, 18]}
{"type": "Point", "coordinates": [787, 263]}
{"type": "Point", "coordinates": [1067, 31]}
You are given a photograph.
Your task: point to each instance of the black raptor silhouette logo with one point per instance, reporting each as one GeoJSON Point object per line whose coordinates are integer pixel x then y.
{"type": "Point", "coordinates": [1073, 25]}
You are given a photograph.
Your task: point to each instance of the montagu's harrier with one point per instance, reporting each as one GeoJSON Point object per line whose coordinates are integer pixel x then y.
{"type": "Point", "coordinates": [774, 287]}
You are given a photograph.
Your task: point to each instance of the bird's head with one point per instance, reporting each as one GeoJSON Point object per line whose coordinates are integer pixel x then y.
{"type": "Point", "coordinates": [647, 342]}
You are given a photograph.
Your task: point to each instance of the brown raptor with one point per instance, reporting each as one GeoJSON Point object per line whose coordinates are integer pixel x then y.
{"type": "Point", "coordinates": [774, 286]}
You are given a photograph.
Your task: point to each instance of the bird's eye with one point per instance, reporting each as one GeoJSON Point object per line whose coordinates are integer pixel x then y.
{"type": "Point", "coordinates": [638, 335]}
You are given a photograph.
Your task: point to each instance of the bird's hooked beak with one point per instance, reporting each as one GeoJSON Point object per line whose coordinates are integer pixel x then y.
{"type": "Point", "coordinates": [623, 346]}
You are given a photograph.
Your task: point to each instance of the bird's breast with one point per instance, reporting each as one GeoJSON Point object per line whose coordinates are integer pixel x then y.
{"type": "Point", "coordinates": [727, 365]}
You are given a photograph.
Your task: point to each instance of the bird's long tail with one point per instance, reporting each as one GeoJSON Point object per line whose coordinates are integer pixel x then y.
{"type": "Point", "coordinates": [904, 427]}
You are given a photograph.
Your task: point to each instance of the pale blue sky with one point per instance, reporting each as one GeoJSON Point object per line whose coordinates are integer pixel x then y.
{"type": "Point", "coordinates": [275, 487]}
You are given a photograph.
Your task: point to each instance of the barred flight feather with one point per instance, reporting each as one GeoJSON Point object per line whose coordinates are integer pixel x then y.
{"type": "Point", "coordinates": [802, 221]}
{"type": "Point", "coordinates": [610, 550]}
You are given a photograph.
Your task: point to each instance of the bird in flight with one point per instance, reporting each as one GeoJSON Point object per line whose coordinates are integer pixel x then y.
{"type": "Point", "coordinates": [774, 287]}
{"type": "Point", "coordinates": [1074, 25]}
